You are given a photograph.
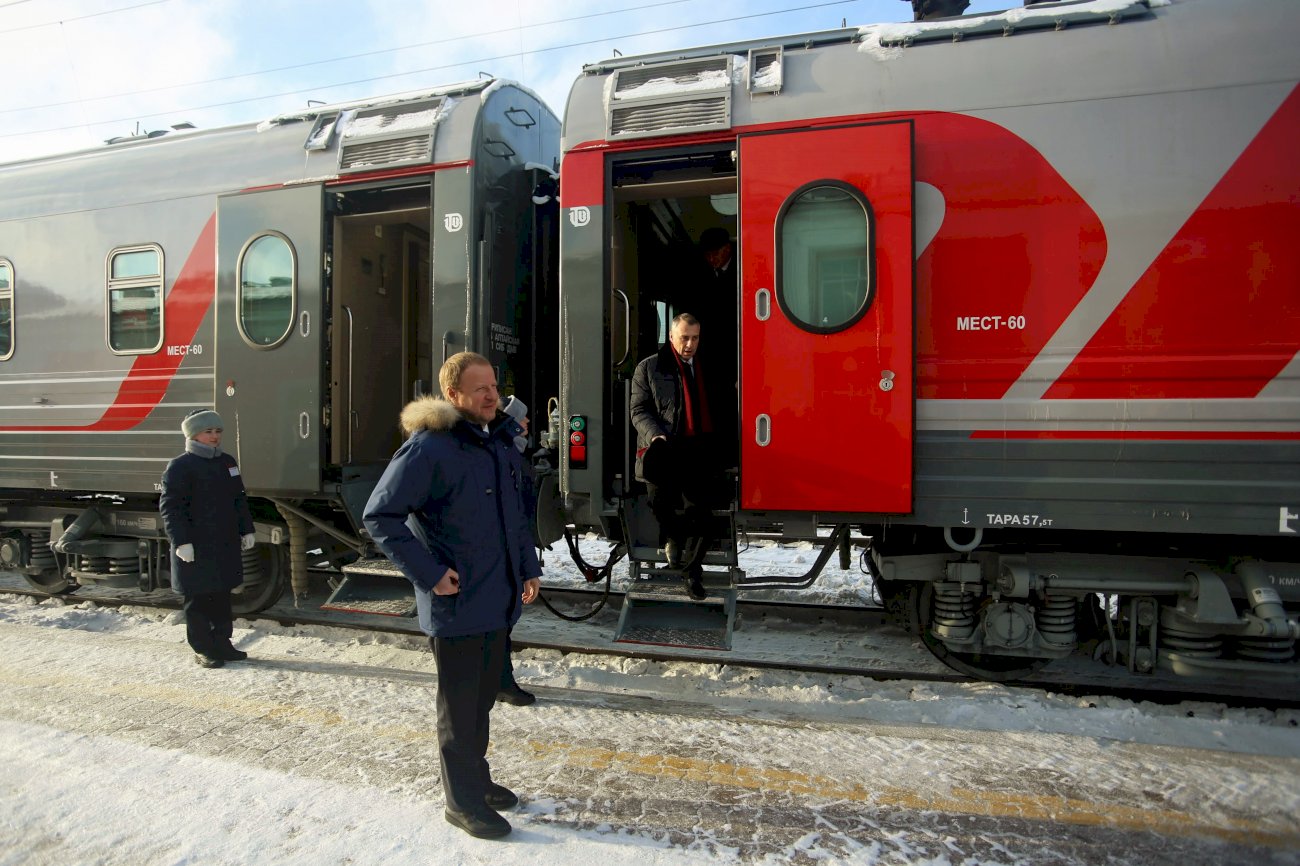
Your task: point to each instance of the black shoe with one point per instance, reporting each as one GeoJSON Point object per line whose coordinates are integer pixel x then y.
{"type": "Point", "coordinates": [517, 696]}
{"type": "Point", "coordinates": [229, 653]}
{"type": "Point", "coordinates": [499, 797]}
{"type": "Point", "coordinates": [695, 587]}
{"type": "Point", "coordinates": [208, 661]}
{"type": "Point", "coordinates": [484, 824]}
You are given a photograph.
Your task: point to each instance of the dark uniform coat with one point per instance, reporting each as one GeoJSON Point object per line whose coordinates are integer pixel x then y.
{"type": "Point", "coordinates": [204, 504]}
{"type": "Point", "coordinates": [465, 488]}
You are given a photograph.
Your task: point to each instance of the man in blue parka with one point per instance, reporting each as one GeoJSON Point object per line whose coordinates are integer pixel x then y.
{"type": "Point", "coordinates": [460, 477]}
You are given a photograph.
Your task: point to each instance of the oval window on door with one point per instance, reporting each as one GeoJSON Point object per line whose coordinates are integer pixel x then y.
{"type": "Point", "coordinates": [825, 273]}
{"type": "Point", "coordinates": [266, 290]}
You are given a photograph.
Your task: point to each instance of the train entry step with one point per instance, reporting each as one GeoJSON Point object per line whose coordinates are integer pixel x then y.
{"type": "Point", "coordinates": [657, 611]}
{"type": "Point", "coordinates": [373, 586]}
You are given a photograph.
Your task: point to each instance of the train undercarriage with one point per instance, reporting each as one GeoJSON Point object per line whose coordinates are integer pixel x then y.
{"type": "Point", "coordinates": [1003, 614]}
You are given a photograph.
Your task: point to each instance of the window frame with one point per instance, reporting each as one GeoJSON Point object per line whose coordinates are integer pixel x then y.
{"type": "Point", "coordinates": [239, 289]}
{"type": "Point", "coordinates": [9, 293]}
{"type": "Point", "coordinates": [111, 284]}
{"type": "Point", "coordinates": [778, 247]}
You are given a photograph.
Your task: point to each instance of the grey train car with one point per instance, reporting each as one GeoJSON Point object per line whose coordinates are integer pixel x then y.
{"type": "Point", "coordinates": [306, 275]}
{"type": "Point", "coordinates": [1018, 298]}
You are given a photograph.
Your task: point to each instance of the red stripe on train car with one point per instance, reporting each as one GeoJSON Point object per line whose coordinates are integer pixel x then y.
{"type": "Point", "coordinates": [147, 381]}
{"type": "Point", "coordinates": [1016, 241]}
{"type": "Point", "coordinates": [1218, 312]}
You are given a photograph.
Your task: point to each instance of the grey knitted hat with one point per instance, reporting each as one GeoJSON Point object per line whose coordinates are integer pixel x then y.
{"type": "Point", "coordinates": [198, 421]}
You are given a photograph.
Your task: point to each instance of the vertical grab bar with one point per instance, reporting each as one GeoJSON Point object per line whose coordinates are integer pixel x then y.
{"type": "Point", "coordinates": [351, 414]}
{"type": "Point", "coordinates": [627, 327]}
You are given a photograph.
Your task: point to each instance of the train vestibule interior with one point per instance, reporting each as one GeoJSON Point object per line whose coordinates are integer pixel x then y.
{"type": "Point", "coordinates": [380, 353]}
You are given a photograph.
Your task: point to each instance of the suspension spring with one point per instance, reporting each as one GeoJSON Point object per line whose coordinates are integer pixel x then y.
{"type": "Point", "coordinates": [954, 611]}
{"type": "Point", "coordinates": [1056, 618]}
{"type": "Point", "coordinates": [1190, 643]}
{"type": "Point", "coordinates": [123, 564]}
{"type": "Point", "coordinates": [41, 556]}
{"type": "Point", "coordinates": [252, 561]}
{"type": "Point", "coordinates": [1264, 649]}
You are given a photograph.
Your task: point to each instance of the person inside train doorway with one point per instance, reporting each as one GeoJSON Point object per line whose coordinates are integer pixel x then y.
{"type": "Point", "coordinates": [461, 477]}
{"type": "Point", "coordinates": [674, 408]}
{"type": "Point", "coordinates": [715, 303]}
{"type": "Point", "coordinates": [510, 691]}
{"type": "Point", "coordinates": [206, 517]}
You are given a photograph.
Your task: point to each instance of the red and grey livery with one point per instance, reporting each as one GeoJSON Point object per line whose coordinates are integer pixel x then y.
{"type": "Point", "coordinates": [1019, 296]}
{"type": "Point", "coordinates": [305, 275]}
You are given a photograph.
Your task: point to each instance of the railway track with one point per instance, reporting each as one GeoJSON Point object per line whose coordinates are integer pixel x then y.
{"type": "Point", "coordinates": [816, 639]}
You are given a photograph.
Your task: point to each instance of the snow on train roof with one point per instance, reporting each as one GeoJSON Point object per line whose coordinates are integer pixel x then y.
{"type": "Point", "coordinates": [886, 37]}
{"type": "Point", "coordinates": [315, 111]}
{"type": "Point", "coordinates": [884, 40]}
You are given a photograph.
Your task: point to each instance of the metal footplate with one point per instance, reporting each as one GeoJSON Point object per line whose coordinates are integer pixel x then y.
{"type": "Point", "coordinates": [373, 586]}
{"type": "Point", "coordinates": [658, 611]}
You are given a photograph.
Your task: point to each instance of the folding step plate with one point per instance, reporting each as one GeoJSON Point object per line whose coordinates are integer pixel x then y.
{"type": "Point", "coordinates": [373, 586]}
{"type": "Point", "coordinates": [658, 611]}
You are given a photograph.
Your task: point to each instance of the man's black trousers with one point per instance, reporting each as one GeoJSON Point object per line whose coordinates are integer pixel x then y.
{"type": "Point", "coordinates": [469, 676]}
{"type": "Point", "coordinates": [208, 621]}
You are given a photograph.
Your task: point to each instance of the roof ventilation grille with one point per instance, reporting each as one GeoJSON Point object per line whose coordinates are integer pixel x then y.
{"type": "Point", "coordinates": [388, 136]}
{"type": "Point", "coordinates": [676, 97]}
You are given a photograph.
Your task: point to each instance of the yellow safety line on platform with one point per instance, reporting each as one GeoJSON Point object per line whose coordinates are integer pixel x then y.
{"type": "Point", "coordinates": [953, 800]}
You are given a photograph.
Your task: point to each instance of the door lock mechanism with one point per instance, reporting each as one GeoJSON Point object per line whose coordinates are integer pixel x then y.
{"type": "Point", "coordinates": [886, 380]}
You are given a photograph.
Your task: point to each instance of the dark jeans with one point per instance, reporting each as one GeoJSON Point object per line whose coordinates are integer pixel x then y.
{"type": "Point", "coordinates": [469, 676]}
{"type": "Point", "coordinates": [208, 621]}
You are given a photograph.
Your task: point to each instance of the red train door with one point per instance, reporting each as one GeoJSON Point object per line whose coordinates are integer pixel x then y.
{"type": "Point", "coordinates": [826, 319]}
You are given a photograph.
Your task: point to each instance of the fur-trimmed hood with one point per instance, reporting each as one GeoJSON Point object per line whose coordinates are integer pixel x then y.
{"type": "Point", "coordinates": [429, 413]}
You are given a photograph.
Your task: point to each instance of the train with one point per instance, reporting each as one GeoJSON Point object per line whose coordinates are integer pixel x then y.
{"type": "Point", "coordinates": [1016, 300]}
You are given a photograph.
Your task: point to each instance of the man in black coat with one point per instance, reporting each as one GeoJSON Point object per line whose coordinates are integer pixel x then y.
{"type": "Point", "coordinates": [205, 514]}
{"type": "Point", "coordinates": [676, 410]}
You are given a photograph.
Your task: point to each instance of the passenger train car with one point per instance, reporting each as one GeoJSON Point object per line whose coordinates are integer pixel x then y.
{"type": "Point", "coordinates": [307, 275]}
{"type": "Point", "coordinates": [1019, 298]}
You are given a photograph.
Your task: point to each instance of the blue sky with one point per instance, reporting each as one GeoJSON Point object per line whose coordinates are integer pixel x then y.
{"type": "Point", "coordinates": [80, 71]}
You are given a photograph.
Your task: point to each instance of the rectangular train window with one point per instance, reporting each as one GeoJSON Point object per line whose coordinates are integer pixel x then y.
{"type": "Point", "coordinates": [6, 310]}
{"type": "Point", "coordinates": [135, 299]}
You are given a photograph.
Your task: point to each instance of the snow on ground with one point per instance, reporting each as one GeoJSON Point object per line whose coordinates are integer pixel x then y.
{"type": "Point", "coordinates": [761, 557]}
{"type": "Point", "coordinates": [88, 793]}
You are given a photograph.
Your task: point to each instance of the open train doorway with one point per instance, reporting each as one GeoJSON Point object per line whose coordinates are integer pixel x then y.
{"type": "Point", "coordinates": [380, 354]}
{"type": "Point", "coordinates": [664, 205]}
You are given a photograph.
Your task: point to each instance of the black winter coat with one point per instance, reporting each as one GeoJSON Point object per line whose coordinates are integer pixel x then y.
{"type": "Point", "coordinates": [656, 402]}
{"type": "Point", "coordinates": [204, 504]}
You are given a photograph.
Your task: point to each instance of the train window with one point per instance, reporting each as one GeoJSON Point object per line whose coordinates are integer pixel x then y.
{"type": "Point", "coordinates": [824, 261]}
{"type": "Point", "coordinates": [6, 310]}
{"type": "Point", "coordinates": [135, 299]}
{"type": "Point", "coordinates": [266, 290]}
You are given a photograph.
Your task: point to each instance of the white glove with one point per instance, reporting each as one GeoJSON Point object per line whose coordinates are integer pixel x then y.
{"type": "Point", "coordinates": [185, 552]}
{"type": "Point", "coordinates": [247, 541]}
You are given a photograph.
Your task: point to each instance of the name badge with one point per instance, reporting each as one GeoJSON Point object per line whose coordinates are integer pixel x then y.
{"type": "Point", "coordinates": [234, 470]}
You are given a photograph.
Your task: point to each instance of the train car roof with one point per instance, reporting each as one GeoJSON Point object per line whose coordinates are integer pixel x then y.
{"type": "Point", "coordinates": [1045, 16]}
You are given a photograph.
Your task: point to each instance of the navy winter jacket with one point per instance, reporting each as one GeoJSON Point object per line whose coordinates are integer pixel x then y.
{"type": "Point", "coordinates": [465, 488]}
{"type": "Point", "coordinates": [204, 504]}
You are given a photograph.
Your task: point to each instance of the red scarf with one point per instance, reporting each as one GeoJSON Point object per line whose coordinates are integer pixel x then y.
{"type": "Point", "coordinates": [706, 420]}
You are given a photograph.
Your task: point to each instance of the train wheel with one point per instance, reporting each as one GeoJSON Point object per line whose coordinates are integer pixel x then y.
{"type": "Point", "coordinates": [51, 581]}
{"type": "Point", "coordinates": [272, 561]}
{"type": "Point", "coordinates": [984, 666]}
